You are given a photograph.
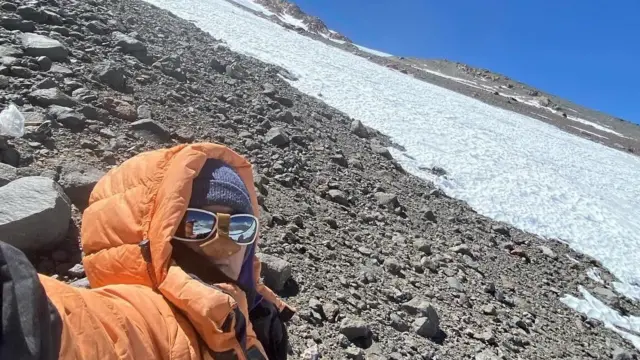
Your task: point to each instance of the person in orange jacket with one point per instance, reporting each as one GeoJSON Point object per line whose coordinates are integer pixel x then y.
{"type": "Point", "coordinates": [169, 239]}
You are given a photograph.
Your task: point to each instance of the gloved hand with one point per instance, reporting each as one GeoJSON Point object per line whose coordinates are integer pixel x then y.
{"type": "Point", "coordinates": [270, 330]}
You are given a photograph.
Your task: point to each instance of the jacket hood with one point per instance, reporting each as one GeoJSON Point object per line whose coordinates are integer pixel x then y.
{"type": "Point", "coordinates": [135, 209]}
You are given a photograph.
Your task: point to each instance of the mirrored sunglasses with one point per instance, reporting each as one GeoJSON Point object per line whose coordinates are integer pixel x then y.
{"type": "Point", "coordinates": [198, 225]}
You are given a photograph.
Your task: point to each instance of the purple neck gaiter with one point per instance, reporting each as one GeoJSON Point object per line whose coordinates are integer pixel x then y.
{"type": "Point", "coordinates": [247, 280]}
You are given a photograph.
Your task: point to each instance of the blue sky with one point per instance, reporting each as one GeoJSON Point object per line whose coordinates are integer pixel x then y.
{"type": "Point", "coordinates": [587, 51]}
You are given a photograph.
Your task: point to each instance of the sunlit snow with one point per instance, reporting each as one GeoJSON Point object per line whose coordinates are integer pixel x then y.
{"type": "Point", "coordinates": [372, 51]}
{"type": "Point", "coordinates": [505, 165]}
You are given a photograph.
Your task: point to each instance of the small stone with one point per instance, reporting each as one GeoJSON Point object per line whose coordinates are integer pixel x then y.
{"type": "Point", "coordinates": [455, 284]}
{"type": "Point", "coordinates": [489, 309]}
{"type": "Point", "coordinates": [269, 89]}
{"type": "Point", "coordinates": [339, 159]}
{"type": "Point", "coordinates": [45, 63]}
{"type": "Point", "coordinates": [338, 196]}
{"type": "Point", "coordinates": [417, 306]}
{"type": "Point", "coordinates": [462, 249]}
{"type": "Point", "coordinates": [82, 283]}
{"type": "Point", "coordinates": [77, 271]}
{"type": "Point", "coordinates": [548, 252]}
{"type": "Point", "coordinates": [236, 71]}
{"type": "Point", "coordinates": [388, 200]}
{"type": "Point", "coordinates": [151, 130]}
{"type": "Point", "coordinates": [275, 271]}
{"type": "Point", "coordinates": [429, 215]}
{"type": "Point", "coordinates": [521, 253]}
{"type": "Point", "coordinates": [382, 151]}
{"type": "Point", "coordinates": [97, 27]}
{"type": "Point", "coordinates": [501, 230]}
{"type": "Point", "coordinates": [46, 84]}
{"type": "Point", "coordinates": [355, 353]}
{"type": "Point", "coordinates": [423, 246]}
{"type": "Point", "coordinates": [144, 112]}
{"type": "Point", "coordinates": [392, 265]}
{"type": "Point", "coordinates": [121, 109]}
{"type": "Point", "coordinates": [486, 354]}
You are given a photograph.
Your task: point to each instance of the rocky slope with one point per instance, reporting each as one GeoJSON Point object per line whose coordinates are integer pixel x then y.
{"type": "Point", "coordinates": [487, 86]}
{"type": "Point", "coordinates": [380, 264]}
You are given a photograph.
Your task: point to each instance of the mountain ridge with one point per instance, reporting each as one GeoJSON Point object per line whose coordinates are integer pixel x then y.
{"type": "Point", "coordinates": [482, 84]}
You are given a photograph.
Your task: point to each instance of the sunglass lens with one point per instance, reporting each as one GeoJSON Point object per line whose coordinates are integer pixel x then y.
{"type": "Point", "coordinates": [243, 229]}
{"type": "Point", "coordinates": [196, 225]}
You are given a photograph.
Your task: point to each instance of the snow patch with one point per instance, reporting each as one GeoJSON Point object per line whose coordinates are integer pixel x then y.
{"type": "Point", "coordinates": [626, 326]}
{"type": "Point", "coordinates": [593, 125]}
{"type": "Point", "coordinates": [594, 274]}
{"type": "Point", "coordinates": [253, 6]}
{"type": "Point", "coordinates": [293, 21]}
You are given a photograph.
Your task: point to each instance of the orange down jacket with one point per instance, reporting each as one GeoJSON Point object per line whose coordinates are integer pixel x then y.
{"type": "Point", "coordinates": [141, 305]}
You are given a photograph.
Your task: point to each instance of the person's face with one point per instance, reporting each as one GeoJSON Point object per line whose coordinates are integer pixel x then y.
{"type": "Point", "coordinates": [188, 230]}
{"type": "Point", "coordinates": [231, 265]}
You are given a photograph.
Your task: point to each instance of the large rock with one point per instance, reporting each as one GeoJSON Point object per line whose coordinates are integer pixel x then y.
{"type": "Point", "coordinates": [98, 27]}
{"type": "Point", "coordinates": [15, 22]}
{"type": "Point", "coordinates": [381, 150]}
{"type": "Point", "coordinates": [236, 71]}
{"type": "Point", "coordinates": [77, 181]}
{"type": "Point", "coordinates": [38, 45]}
{"type": "Point", "coordinates": [52, 96]}
{"type": "Point", "coordinates": [68, 117]}
{"type": "Point", "coordinates": [7, 174]}
{"type": "Point", "coordinates": [130, 45]}
{"type": "Point", "coordinates": [429, 325]}
{"type": "Point", "coordinates": [111, 75]}
{"type": "Point", "coordinates": [275, 271]}
{"type": "Point", "coordinates": [277, 136]}
{"type": "Point", "coordinates": [355, 329]}
{"type": "Point", "coordinates": [33, 14]}
{"type": "Point", "coordinates": [417, 306]}
{"type": "Point", "coordinates": [35, 213]}
{"type": "Point", "coordinates": [359, 129]}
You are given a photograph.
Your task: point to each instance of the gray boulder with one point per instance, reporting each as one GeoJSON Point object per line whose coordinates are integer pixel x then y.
{"type": "Point", "coordinates": [381, 150]}
{"type": "Point", "coordinates": [15, 22]}
{"type": "Point", "coordinates": [121, 109]}
{"type": "Point", "coordinates": [359, 129]}
{"type": "Point", "coordinates": [38, 45]}
{"type": "Point", "coordinates": [33, 14]}
{"type": "Point", "coordinates": [429, 325]}
{"type": "Point", "coordinates": [111, 75]}
{"type": "Point", "coordinates": [385, 199]}
{"type": "Point", "coordinates": [67, 117]}
{"type": "Point", "coordinates": [277, 137]}
{"type": "Point", "coordinates": [337, 196]}
{"type": "Point", "coordinates": [35, 213]}
{"type": "Point", "coordinates": [77, 181]}
{"type": "Point", "coordinates": [355, 329]}
{"type": "Point", "coordinates": [7, 174]}
{"type": "Point", "coordinates": [51, 96]}
{"type": "Point", "coordinates": [275, 271]}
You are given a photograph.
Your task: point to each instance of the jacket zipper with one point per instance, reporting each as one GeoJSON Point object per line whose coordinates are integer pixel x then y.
{"type": "Point", "coordinates": [145, 250]}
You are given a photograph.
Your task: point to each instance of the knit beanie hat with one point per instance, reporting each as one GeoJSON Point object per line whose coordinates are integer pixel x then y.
{"type": "Point", "coordinates": [218, 184]}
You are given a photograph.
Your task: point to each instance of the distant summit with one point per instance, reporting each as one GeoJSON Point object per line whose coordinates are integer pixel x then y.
{"type": "Point", "coordinates": [291, 16]}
